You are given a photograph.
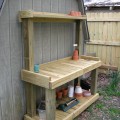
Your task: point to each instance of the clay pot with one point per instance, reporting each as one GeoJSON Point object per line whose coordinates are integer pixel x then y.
{"type": "Point", "coordinates": [75, 55]}
{"type": "Point", "coordinates": [59, 95]}
{"type": "Point", "coordinates": [79, 13]}
{"type": "Point", "coordinates": [65, 92]}
{"type": "Point", "coordinates": [72, 13]}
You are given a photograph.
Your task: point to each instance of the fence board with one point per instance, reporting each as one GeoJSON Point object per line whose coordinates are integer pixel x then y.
{"type": "Point", "coordinates": [106, 32]}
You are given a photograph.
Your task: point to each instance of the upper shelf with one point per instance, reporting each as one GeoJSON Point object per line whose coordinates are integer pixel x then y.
{"type": "Point", "coordinates": [52, 17]}
{"type": "Point", "coordinates": [59, 72]}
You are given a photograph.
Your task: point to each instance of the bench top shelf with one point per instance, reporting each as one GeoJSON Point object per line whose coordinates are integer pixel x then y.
{"type": "Point", "coordinates": [45, 16]}
{"type": "Point", "coordinates": [56, 73]}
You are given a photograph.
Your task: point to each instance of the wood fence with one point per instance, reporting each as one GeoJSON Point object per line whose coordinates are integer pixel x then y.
{"type": "Point", "coordinates": [104, 29]}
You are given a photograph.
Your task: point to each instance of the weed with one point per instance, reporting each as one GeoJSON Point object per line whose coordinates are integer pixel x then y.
{"type": "Point", "coordinates": [114, 111]}
{"type": "Point", "coordinates": [90, 109]}
{"type": "Point", "coordinates": [112, 89]}
{"type": "Point", "coordinates": [100, 105]}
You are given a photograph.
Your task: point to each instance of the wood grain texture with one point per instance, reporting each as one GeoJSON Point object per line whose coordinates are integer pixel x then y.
{"type": "Point", "coordinates": [50, 101]}
{"type": "Point", "coordinates": [103, 28]}
{"type": "Point", "coordinates": [74, 111]}
{"type": "Point", "coordinates": [56, 73]}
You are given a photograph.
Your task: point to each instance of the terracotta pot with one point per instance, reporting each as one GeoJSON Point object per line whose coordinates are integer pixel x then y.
{"type": "Point", "coordinates": [72, 13]}
{"type": "Point", "coordinates": [59, 95]}
{"type": "Point", "coordinates": [79, 13]}
{"type": "Point", "coordinates": [65, 92]}
{"type": "Point", "coordinates": [75, 55]}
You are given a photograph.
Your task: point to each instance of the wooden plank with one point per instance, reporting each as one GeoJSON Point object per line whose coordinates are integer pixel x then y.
{"type": "Point", "coordinates": [94, 78]}
{"type": "Point", "coordinates": [85, 104]}
{"type": "Point", "coordinates": [89, 58]}
{"type": "Point", "coordinates": [52, 20]}
{"type": "Point", "coordinates": [28, 53]}
{"type": "Point", "coordinates": [73, 112]}
{"type": "Point", "coordinates": [105, 43]}
{"type": "Point", "coordinates": [104, 66]}
{"type": "Point", "coordinates": [103, 19]}
{"type": "Point", "coordinates": [32, 14]}
{"type": "Point", "coordinates": [50, 104]}
{"type": "Point", "coordinates": [73, 75]}
{"type": "Point", "coordinates": [35, 78]}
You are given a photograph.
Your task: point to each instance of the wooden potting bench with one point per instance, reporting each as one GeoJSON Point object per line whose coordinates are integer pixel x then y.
{"type": "Point", "coordinates": [56, 73]}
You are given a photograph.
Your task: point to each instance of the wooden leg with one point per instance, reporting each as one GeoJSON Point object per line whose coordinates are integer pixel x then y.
{"type": "Point", "coordinates": [50, 104]}
{"type": "Point", "coordinates": [94, 77]}
{"type": "Point", "coordinates": [31, 99]}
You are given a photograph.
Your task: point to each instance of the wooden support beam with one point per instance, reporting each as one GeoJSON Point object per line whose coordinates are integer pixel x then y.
{"type": "Point", "coordinates": [28, 58]}
{"type": "Point", "coordinates": [109, 67]}
{"type": "Point", "coordinates": [31, 99]}
{"type": "Point", "coordinates": [35, 78]}
{"type": "Point", "coordinates": [94, 78]}
{"type": "Point", "coordinates": [104, 43]}
{"type": "Point", "coordinates": [81, 41]}
{"type": "Point", "coordinates": [79, 36]}
{"type": "Point", "coordinates": [50, 104]}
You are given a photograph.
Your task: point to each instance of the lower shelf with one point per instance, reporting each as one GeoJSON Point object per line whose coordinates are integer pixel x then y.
{"type": "Point", "coordinates": [73, 112]}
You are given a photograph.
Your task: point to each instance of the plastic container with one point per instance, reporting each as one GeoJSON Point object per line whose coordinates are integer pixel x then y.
{"type": "Point", "coordinates": [42, 111]}
{"type": "Point", "coordinates": [42, 114]}
{"type": "Point", "coordinates": [78, 91]}
{"type": "Point", "coordinates": [36, 68]}
{"type": "Point", "coordinates": [71, 91]}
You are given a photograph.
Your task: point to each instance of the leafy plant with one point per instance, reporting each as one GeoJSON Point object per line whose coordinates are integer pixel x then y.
{"type": "Point", "coordinates": [113, 87]}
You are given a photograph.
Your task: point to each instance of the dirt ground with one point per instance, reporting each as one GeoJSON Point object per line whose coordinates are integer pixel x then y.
{"type": "Point", "coordinates": [107, 107]}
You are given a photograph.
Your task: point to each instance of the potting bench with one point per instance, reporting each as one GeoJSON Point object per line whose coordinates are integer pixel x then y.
{"type": "Point", "coordinates": [56, 73]}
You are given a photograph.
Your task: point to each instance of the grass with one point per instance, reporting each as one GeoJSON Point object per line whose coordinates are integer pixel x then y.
{"type": "Point", "coordinates": [107, 107]}
{"type": "Point", "coordinates": [100, 105]}
{"type": "Point", "coordinates": [113, 88]}
{"type": "Point", "coordinates": [114, 111]}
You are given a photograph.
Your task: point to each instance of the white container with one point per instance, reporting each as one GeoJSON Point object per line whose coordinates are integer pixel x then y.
{"type": "Point", "coordinates": [42, 114]}
{"type": "Point", "coordinates": [71, 91]}
{"type": "Point", "coordinates": [41, 110]}
{"type": "Point", "coordinates": [78, 89]}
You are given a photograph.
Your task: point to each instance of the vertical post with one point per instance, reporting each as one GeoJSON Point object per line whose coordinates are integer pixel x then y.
{"type": "Point", "coordinates": [79, 39]}
{"type": "Point", "coordinates": [94, 78]}
{"type": "Point", "coordinates": [81, 42]}
{"type": "Point", "coordinates": [28, 59]}
{"type": "Point", "coordinates": [50, 104]}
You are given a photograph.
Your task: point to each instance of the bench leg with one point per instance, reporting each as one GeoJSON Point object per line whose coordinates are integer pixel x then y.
{"type": "Point", "coordinates": [50, 104]}
{"type": "Point", "coordinates": [94, 78]}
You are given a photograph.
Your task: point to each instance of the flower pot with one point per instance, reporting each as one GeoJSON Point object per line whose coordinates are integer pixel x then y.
{"type": "Point", "coordinates": [75, 55]}
{"type": "Point", "coordinates": [59, 95]}
{"type": "Point", "coordinates": [79, 13]}
{"type": "Point", "coordinates": [65, 92]}
{"type": "Point", "coordinates": [72, 13]}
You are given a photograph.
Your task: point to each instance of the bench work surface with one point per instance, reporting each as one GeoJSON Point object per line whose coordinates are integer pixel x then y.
{"type": "Point", "coordinates": [59, 72]}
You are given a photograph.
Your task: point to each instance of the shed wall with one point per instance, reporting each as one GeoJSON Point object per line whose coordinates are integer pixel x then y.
{"type": "Point", "coordinates": [52, 41]}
